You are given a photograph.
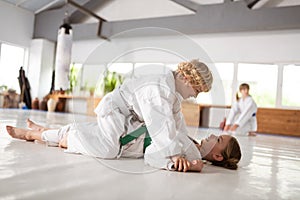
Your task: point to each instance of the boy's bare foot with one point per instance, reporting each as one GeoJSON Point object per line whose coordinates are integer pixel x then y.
{"type": "Point", "coordinates": [18, 133]}
{"type": "Point", "coordinates": [35, 126]}
{"type": "Point", "coordinates": [252, 134]}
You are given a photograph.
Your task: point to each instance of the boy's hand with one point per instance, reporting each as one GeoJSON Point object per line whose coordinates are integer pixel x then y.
{"type": "Point", "coordinates": [181, 164]}
{"type": "Point", "coordinates": [196, 166]}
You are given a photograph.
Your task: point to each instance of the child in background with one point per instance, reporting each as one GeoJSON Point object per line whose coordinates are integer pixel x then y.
{"type": "Point", "coordinates": [245, 123]}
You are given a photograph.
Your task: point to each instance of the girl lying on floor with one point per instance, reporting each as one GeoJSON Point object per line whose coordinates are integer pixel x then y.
{"type": "Point", "coordinates": [143, 118]}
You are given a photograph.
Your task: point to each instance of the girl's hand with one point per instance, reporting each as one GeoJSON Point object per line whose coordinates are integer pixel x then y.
{"type": "Point", "coordinates": [181, 164]}
{"type": "Point", "coordinates": [226, 128]}
{"type": "Point", "coordinates": [234, 127]}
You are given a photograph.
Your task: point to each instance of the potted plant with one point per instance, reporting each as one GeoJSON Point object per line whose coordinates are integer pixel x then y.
{"type": "Point", "coordinates": [92, 90]}
{"type": "Point", "coordinates": [111, 81]}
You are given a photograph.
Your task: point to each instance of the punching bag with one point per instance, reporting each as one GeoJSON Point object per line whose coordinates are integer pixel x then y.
{"type": "Point", "coordinates": [63, 57]}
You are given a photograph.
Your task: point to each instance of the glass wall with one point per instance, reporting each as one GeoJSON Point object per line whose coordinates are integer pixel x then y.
{"type": "Point", "coordinates": [226, 72]}
{"type": "Point", "coordinates": [121, 68]}
{"type": "Point", "coordinates": [291, 86]}
{"type": "Point", "coordinates": [262, 79]}
{"type": "Point", "coordinates": [141, 69]}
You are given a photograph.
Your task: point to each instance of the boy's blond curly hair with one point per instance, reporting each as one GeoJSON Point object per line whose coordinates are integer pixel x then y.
{"type": "Point", "coordinates": [197, 73]}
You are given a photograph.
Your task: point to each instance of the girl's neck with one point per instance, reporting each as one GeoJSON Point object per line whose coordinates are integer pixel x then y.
{"type": "Point", "coordinates": [244, 97]}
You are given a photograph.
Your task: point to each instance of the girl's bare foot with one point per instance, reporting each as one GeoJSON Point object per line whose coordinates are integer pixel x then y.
{"type": "Point", "coordinates": [18, 133]}
{"type": "Point", "coordinates": [35, 126]}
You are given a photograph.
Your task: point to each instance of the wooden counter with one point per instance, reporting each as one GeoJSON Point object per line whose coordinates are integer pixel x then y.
{"type": "Point", "coordinates": [270, 120]}
{"type": "Point", "coordinates": [89, 103]}
{"type": "Point", "coordinates": [278, 121]}
{"type": "Point", "coordinates": [92, 103]}
{"type": "Point", "coordinates": [191, 113]}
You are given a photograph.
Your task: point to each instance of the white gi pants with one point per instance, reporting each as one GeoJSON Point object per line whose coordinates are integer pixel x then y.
{"type": "Point", "coordinates": [249, 126]}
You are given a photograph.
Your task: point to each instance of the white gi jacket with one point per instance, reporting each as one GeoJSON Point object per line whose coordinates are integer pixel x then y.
{"type": "Point", "coordinates": [149, 100]}
{"type": "Point", "coordinates": [243, 113]}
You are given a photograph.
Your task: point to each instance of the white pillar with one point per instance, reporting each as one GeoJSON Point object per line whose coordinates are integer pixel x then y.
{"type": "Point", "coordinates": [279, 86]}
{"type": "Point", "coordinates": [40, 67]}
{"type": "Point", "coordinates": [234, 83]}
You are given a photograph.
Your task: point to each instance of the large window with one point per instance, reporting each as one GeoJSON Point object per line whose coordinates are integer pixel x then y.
{"type": "Point", "coordinates": [91, 75]}
{"type": "Point", "coordinates": [124, 69]}
{"type": "Point", "coordinates": [262, 79]}
{"type": "Point", "coordinates": [291, 86]}
{"type": "Point", "coordinates": [226, 72]}
{"type": "Point", "coordinates": [172, 67]}
{"type": "Point", "coordinates": [141, 69]}
{"type": "Point", "coordinates": [74, 77]}
{"type": "Point", "coordinates": [221, 92]}
{"type": "Point", "coordinates": [11, 59]}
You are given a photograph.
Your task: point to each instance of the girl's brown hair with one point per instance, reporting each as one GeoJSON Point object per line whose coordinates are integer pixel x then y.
{"type": "Point", "coordinates": [231, 155]}
{"type": "Point", "coordinates": [242, 86]}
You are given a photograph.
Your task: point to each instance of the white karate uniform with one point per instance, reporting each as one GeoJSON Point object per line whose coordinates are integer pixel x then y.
{"type": "Point", "coordinates": [243, 113]}
{"type": "Point", "coordinates": [149, 100]}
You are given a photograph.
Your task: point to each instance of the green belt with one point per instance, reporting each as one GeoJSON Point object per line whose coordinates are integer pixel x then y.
{"type": "Point", "coordinates": [135, 134]}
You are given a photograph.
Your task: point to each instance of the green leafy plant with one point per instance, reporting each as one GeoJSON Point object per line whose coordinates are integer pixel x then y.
{"type": "Point", "coordinates": [73, 77]}
{"type": "Point", "coordinates": [111, 81]}
{"type": "Point", "coordinates": [92, 90]}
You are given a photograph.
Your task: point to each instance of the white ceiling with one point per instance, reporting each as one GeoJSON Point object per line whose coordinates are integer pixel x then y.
{"type": "Point", "coordinates": [139, 9]}
{"type": "Point", "coordinates": [288, 3]}
{"type": "Point", "coordinates": [262, 3]}
{"type": "Point", "coordinates": [272, 3]}
{"type": "Point", "coordinates": [116, 10]}
{"type": "Point", "coordinates": [206, 2]}
{"type": "Point", "coordinates": [36, 6]}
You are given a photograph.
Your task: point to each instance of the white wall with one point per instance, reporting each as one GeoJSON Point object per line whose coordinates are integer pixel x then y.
{"type": "Point", "coordinates": [267, 47]}
{"type": "Point", "coordinates": [259, 47]}
{"type": "Point", "coordinates": [16, 25]}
